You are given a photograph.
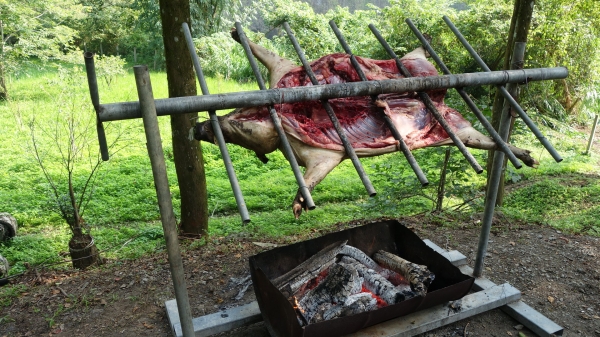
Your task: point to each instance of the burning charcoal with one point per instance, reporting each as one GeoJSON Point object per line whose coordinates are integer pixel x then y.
{"type": "Point", "coordinates": [376, 283]}
{"type": "Point", "coordinates": [361, 257]}
{"type": "Point", "coordinates": [358, 280]}
{"type": "Point", "coordinates": [335, 288]}
{"type": "Point", "coordinates": [417, 275]}
{"type": "Point", "coordinates": [290, 282]}
{"type": "Point", "coordinates": [321, 310]}
{"type": "Point", "coordinates": [355, 304]}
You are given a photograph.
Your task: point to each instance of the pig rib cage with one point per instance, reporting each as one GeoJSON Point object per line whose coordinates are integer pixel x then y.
{"type": "Point", "coordinates": [149, 109]}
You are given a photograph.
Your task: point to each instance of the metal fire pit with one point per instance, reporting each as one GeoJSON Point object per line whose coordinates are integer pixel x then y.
{"type": "Point", "coordinates": [392, 236]}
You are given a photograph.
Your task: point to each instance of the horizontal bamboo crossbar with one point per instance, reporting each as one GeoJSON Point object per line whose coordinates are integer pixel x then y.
{"type": "Point", "coordinates": [183, 105]}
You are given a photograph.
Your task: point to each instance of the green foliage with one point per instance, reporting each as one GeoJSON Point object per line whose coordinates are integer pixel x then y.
{"type": "Point", "coordinates": [7, 294]}
{"type": "Point", "coordinates": [401, 190]}
{"type": "Point", "coordinates": [33, 29]}
{"type": "Point", "coordinates": [212, 16]}
{"type": "Point", "coordinates": [222, 57]}
{"type": "Point", "coordinates": [567, 34]}
{"type": "Point", "coordinates": [34, 249]}
{"type": "Point", "coordinates": [566, 204]}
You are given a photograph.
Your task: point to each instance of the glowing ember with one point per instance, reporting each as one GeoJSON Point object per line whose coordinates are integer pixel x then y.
{"type": "Point", "coordinates": [380, 302]}
{"type": "Point", "coordinates": [350, 284]}
{"type": "Point", "coordinates": [296, 305]}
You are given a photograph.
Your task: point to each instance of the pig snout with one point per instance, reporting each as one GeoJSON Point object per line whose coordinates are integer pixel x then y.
{"type": "Point", "coordinates": [202, 132]}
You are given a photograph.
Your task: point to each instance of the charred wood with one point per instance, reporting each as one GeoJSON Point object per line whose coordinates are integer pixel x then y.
{"type": "Point", "coordinates": [354, 304]}
{"type": "Point", "coordinates": [376, 283]}
{"type": "Point", "coordinates": [360, 256]}
{"type": "Point", "coordinates": [290, 282]}
{"type": "Point", "coordinates": [334, 289]}
{"type": "Point", "coordinates": [419, 276]}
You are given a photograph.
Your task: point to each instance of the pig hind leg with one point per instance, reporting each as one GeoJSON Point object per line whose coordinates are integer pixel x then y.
{"type": "Point", "coordinates": [475, 139]}
{"type": "Point", "coordinates": [277, 65]}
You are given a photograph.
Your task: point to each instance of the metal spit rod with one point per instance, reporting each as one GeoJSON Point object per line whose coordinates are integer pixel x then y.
{"type": "Point", "coordinates": [287, 149]}
{"type": "Point", "coordinates": [429, 104]}
{"type": "Point", "coordinates": [214, 122]}
{"type": "Point", "coordinates": [486, 124]}
{"type": "Point", "coordinates": [336, 123]}
{"type": "Point", "coordinates": [495, 175]}
{"type": "Point", "coordinates": [403, 147]}
{"type": "Point", "coordinates": [93, 85]}
{"type": "Point", "coordinates": [506, 94]}
{"type": "Point", "coordinates": [592, 134]}
{"type": "Point", "coordinates": [187, 104]}
{"type": "Point", "coordinates": [161, 182]}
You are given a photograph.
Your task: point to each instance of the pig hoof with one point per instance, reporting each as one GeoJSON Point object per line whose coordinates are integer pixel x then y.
{"type": "Point", "coordinates": [297, 209]}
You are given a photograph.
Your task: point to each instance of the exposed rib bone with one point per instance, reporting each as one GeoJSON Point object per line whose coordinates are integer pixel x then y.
{"type": "Point", "coordinates": [290, 282]}
{"type": "Point", "coordinates": [417, 275]}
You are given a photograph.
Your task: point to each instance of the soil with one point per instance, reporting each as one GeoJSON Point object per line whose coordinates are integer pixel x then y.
{"type": "Point", "coordinates": [557, 273]}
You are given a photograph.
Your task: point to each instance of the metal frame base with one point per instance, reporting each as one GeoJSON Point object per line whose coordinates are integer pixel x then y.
{"type": "Point", "coordinates": [487, 296]}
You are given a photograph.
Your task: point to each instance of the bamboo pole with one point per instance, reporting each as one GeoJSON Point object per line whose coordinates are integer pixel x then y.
{"type": "Point", "coordinates": [187, 104]}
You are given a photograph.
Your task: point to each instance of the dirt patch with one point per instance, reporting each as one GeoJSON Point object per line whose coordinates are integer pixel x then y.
{"type": "Point", "coordinates": [558, 274]}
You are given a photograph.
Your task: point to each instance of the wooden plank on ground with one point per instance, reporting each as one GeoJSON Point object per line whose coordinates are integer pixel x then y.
{"type": "Point", "coordinates": [440, 315]}
{"type": "Point", "coordinates": [224, 320]}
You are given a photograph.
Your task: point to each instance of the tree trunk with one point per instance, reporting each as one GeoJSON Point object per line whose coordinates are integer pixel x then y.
{"type": "Point", "coordinates": [519, 30]}
{"type": "Point", "coordinates": [187, 154]}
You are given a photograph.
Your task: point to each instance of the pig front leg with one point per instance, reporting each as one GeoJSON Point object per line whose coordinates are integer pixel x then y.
{"type": "Point", "coordinates": [318, 163]}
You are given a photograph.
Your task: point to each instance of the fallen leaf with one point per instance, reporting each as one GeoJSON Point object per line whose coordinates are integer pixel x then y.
{"type": "Point", "coordinates": [238, 255]}
{"type": "Point", "coordinates": [512, 243]}
{"type": "Point", "coordinates": [55, 291]}
{"type": "Point", "coordinates": [103, 302]}
{"type": "Point", "coordinates": [550, 299]}
{"type": "Point", "coordinates": [148, 326]}
{"type": "Point", "coordinates": [135, 309]}
{"type": "Point", "coordinates": [509, 333]}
